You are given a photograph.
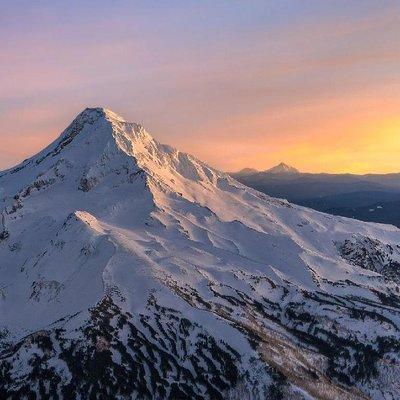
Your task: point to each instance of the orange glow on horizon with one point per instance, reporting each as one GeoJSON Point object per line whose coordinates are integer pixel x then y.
{"type": "Point", "coordinates": [353, 145]}
{"type": "Point", "coordinates": [354, 135]}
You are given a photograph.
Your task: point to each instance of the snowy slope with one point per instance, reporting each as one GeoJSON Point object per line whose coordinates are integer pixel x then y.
{"type": "Point", "coordinates": [131, 270]}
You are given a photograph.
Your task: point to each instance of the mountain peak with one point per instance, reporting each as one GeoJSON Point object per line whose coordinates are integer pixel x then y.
{"type": "Point", "coordinates": [92, 114]}
{"type": "Point", "coordinates": [94, 119]}
{"type": "Point", "coordinates": [282, 168]}
{"type": "Point", "coordinates": [90, 133]}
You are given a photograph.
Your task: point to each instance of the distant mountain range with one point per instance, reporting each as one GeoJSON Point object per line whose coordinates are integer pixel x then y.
{"type": "Point", "coordinates": [370, 197]}
{"type": "Point", "coordinates": [281, 168]}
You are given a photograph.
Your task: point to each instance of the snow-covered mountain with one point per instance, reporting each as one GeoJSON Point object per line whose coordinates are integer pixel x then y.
{"type": "Point", "coordinates": [130, 270]}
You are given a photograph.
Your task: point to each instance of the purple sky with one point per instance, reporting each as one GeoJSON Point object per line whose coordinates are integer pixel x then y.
{"type": "Point", "coordinates": [237, 83]}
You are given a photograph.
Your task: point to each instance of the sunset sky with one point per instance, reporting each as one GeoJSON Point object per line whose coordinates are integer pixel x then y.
{"type": "Point", "coordinates": [315, 84]}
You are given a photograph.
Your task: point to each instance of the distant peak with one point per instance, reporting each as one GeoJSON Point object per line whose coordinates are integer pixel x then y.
{"type": "Point", "coordinates": [247, 171]}
{"type": "Point", "coordinates": [282, 168]}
